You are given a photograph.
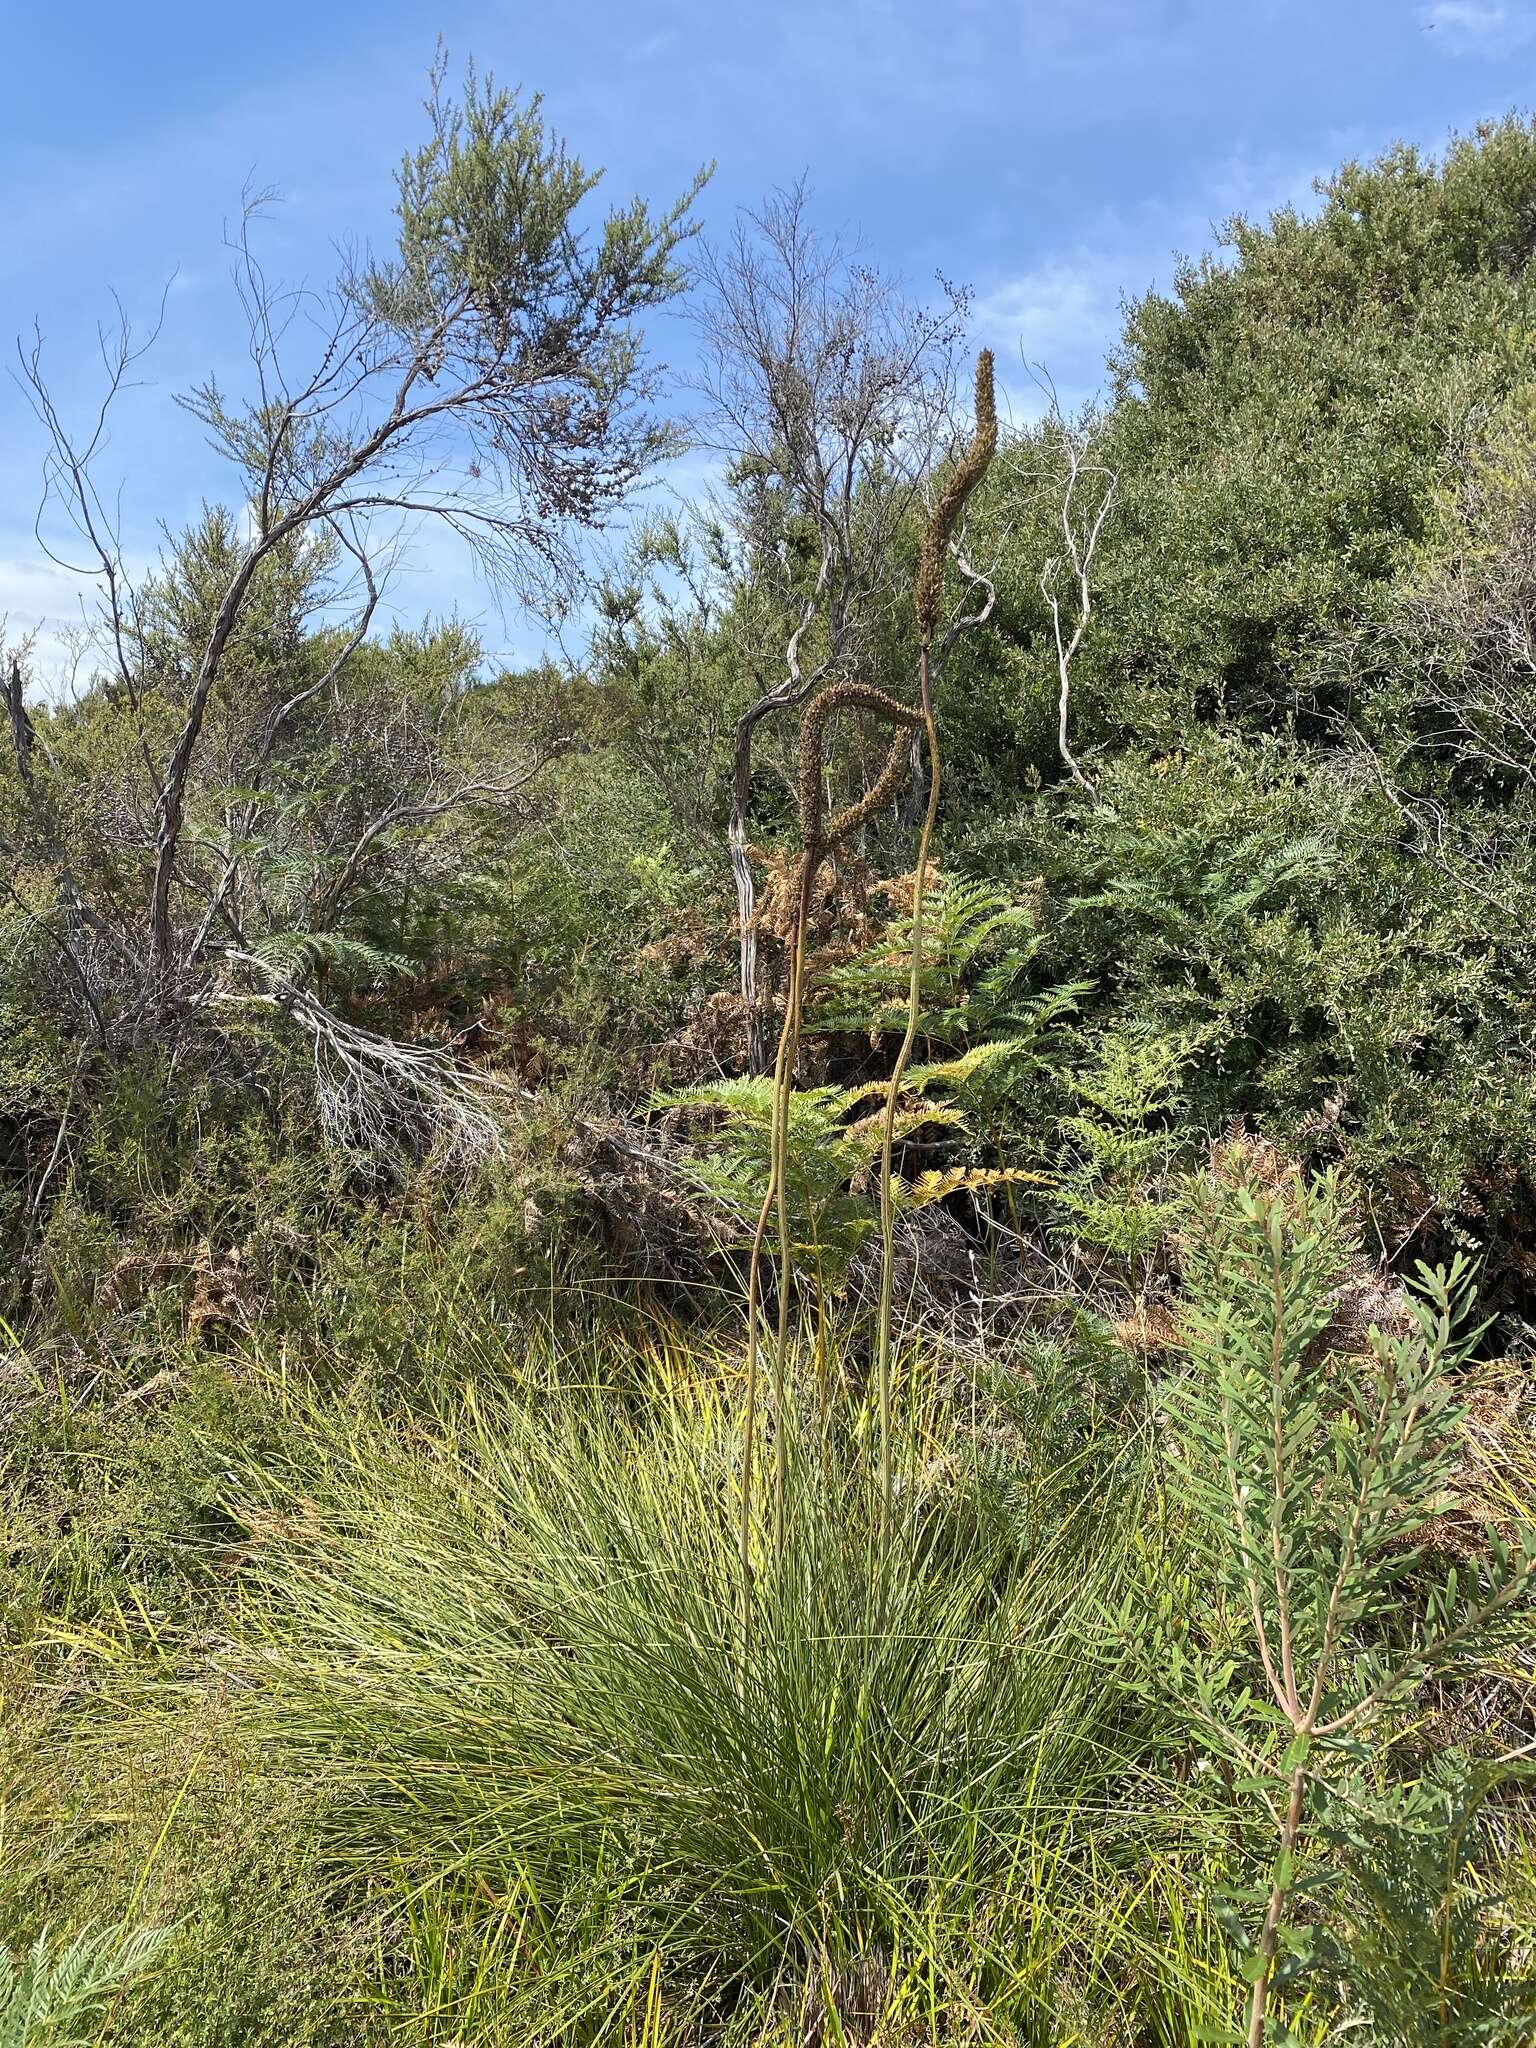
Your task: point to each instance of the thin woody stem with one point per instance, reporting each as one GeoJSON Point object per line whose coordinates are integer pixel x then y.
{"type": "Point", "coordinates": [892, 1097]}
{"type": "Point", "coordinates": [810, 861]}
{"type": "Point", "coordinates": [1269, 1934]}
{"type": "Point", "coordinates": [928, 596]}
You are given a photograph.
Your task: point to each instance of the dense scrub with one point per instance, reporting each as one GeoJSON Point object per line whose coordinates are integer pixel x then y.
{"type": "Point", "coordinates": [393, 1645]}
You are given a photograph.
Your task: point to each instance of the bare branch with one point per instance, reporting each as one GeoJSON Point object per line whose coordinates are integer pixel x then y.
{"type": "Point", "coordinates": [1081, 530]}
{"type": "Point", "coordinates": [417, 813]}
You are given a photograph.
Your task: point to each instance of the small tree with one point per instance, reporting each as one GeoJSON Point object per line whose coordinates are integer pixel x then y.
{"type": "Point", "coordinates": [1087, 489]}
{"type": "Point", "coordinates": [486, 375]}
{"type": "Point", "coordinates": [832, 397]}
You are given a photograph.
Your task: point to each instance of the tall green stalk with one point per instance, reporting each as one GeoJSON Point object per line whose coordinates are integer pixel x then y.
{"type": "Point", "coordinates": [818, 842]}
{"type": "Point", "coordinates": [930, 589]}
{"type": "Point", "coordinates": [790, 1042]}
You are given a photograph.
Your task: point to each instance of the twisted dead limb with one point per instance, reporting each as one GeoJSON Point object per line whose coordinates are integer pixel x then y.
{"type": "Point", "coordinates": [1081, 530]}
{"type": "Point", "coordinates": [831, 396]}
{"type": "Point", "coordinates": [968, 473]}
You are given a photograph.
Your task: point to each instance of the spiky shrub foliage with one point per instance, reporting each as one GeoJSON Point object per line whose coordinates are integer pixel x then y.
{"type": "Point", "coordinates": [513, 1651]}
{"type": "Point", "coordinates": [53, 1994]}
{"type": "Point", "coordinates": [1307, 1477]}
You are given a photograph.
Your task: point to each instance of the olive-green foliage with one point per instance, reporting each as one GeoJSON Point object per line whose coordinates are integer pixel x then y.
{"type": "Point", "coordinates": [1280, 426]}
{"type": "Point", "coordinates": [980, 987]}
{"type": "Point", "coordinates": [979, 943]}
{"type": "Point", "coordinates": [1120, 1140]}
{"type": "Point", "coordinates": [832, 1143]}
{"type": "Point", "coordinates": [1308, 1477]}
{"type": "Point", "coordinates": [125, 1795]}
{"type": "Point", "coordinates": [562, 926]}
{"type": "Point", "coordinates": [1435, 1961]}
{"type": "Point", "coordinates": [1307, 852]}
{"type": "Point", "coordinates": [490, 250]}
{"type": "Point", "coordinates": [1252, 900]}
{"type": "Point", "coordinates": [409, 1687]}
{"type": "Point", "coordinates": [107, 1506]}
{"type": "Point", "coordinates": [154, 1171]}
{"type": "Point", "coordinates": [388, 1650]}
{"type": "Point", "coordinates": [528, 930]}
{"type": "Point", "coordinates": [185, 1832]}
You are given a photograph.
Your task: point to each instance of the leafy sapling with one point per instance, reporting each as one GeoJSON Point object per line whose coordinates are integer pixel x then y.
{"type": "Point", "coordinates": [1306, 1477]}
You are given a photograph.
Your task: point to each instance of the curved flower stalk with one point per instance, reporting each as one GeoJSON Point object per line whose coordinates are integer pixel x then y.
{"type": "Point", "coordinates": [818, 840]}
{"type": "Point", "coordinates": [970, 470]}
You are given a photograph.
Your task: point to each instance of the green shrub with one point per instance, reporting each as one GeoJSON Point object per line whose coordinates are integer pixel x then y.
{"type": "Point", "coordinates": [1308, 1476]}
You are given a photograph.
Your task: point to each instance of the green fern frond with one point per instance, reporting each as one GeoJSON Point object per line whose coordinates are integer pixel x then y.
{"type": "Point", "coordinates": [972, 1064]}
{"type": "Point", "coordinates": [940, 1182]}
{"type": "Point", "coordinates": [977, 945]}
{"type": "Point", "coordinates": [835, 1140]}
{"type": "Point", "coordinates": [296, 956]}
{"type": "Point", "coordinates": [915, 1116]}
{"type": "Point", "coordinates": [53, 1996]}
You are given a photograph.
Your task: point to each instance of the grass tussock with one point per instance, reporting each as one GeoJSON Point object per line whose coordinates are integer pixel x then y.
{"type": "Point", "coordinates": [428, 1700]}
{"type": "Point", "coordinates": [900, 1784]}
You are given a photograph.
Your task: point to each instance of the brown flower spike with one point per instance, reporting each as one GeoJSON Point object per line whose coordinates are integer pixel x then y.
{"type": "Point", "coordinates": [946, 513]}
{"type": "Point", "coordinates": [817, 841]}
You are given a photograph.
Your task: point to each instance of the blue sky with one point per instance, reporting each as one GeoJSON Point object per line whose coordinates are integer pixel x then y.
{"type": "Point", "coordinates": [1053, 156]}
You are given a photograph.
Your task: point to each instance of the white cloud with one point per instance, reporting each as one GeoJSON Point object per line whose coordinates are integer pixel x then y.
{"type": "Point", "coordinates": [1065, 314]}
{"type": "Point", "coordinates": [58, 613]}
{"type": "Point", "coordinates": [1480, 28]}
{"type": "Point", "coordinates": [45, 605]}
{"type": "Point", "coordinates": [1055, 322]}
{"type": "Point", "coordinates": [1052, 308]}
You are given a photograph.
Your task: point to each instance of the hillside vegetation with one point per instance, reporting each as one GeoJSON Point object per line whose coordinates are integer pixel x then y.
{"type": "Point", "coordinates": [816, 1327]}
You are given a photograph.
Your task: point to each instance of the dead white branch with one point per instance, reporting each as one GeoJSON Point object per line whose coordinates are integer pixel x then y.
{"type": "Point", "coordinates": [1087, 493]}
{"type": "Point", "coordinates": [382, 1098]}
